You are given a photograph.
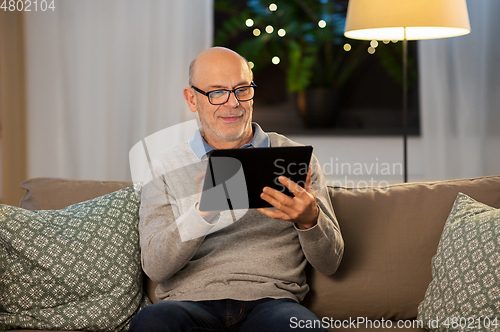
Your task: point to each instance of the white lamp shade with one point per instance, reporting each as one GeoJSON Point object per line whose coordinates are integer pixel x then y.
{"type": "Point", "coordinates": [423, 19]}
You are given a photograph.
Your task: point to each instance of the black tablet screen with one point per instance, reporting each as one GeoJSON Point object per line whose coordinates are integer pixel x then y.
{"type": "Point", "coordinates": [235, 177]}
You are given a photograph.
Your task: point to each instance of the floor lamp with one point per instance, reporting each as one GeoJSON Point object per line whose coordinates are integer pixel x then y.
{"type": "Point", "coordinates": [406, 20]}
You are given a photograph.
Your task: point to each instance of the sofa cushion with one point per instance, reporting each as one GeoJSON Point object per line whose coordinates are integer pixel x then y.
{"type": "Point", "coordinates": [72, 269]}
{"type": "Point", "coordinates": [57, 193]}
{"type": "Point", "coordinates": [465, 290]}
{"type": "Point", "coordinates": [391, 234]}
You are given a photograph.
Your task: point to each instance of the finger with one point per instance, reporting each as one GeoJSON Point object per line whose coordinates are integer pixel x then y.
{"type": "Point", "coordinates": [309, 187]}
{"type": "Point", "coordinates": [294, 187]}
{"type": "Point", "coordinates": [278, 195]}
{"type": "Point", "coordinates": [282, 204]}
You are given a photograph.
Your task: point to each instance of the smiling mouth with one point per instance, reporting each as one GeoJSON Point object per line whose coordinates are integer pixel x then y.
{"type": "Point", "coordinates": [231, 118]}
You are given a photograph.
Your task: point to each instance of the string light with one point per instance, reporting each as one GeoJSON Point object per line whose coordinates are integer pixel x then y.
{"type": "Point", "coordinates": [249, 22]}
{"type": "Point", "coordinates": [269, 29]}
{"type": "Point", "coordinates": [275, 60]}
{"type": "Point", "coordinates": [273, 7]}
{"type": "Point", "coordinates": [374, 43]}
{"type": "Point", "coordinates": [281, 32]}
{"type": "Point", "coordinates": [322, 24]}
{"type": "Point", "coordinates": [371, 50]}
{"type": "Point", "coordinates": [251, 64]}
{"type": "Point", "coordinates": [256, 32]}
{"type": "Point", "coordinates": [347, 47]}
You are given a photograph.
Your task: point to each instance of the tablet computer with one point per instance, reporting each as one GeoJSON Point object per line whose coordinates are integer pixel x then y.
{"type": "Point", "coordinates": [235, 178]}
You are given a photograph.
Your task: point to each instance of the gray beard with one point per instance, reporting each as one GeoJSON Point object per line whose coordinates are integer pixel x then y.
{"type": "Point", "coordinates": [226, 138]}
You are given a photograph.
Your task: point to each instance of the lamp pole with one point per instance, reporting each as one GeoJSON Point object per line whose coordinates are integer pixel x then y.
{"type": "Point", "coordinates": [405, 106]}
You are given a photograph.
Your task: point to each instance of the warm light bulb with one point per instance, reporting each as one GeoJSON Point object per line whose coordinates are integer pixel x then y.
{"type": "Point", "coordinates": [251, 64]}
{"type": "Point", "coordinates": [281, 32]}
{"type": "Point", "coordinates": [269, 29]}
{"type": "Point", "coordinates": [322, 24]}
{"type": "Point", "coordinates": [347, 47]}
{"type": "Point", "coordinates": [273, 7]}
{"type": "Point", "coordinates": [371, 50]}
{"type": "Point", "coordinates": [249, 22]}
{"type": "Point", "coordinates": [275, 60]}
{"type": "Point", "coordinates": [374, 43]}
{"type": "Point", "coordinates": [256, 32]}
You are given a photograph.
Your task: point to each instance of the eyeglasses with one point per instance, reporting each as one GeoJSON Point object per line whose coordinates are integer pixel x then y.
{"type": "Point", "coordinates": [219, 97]}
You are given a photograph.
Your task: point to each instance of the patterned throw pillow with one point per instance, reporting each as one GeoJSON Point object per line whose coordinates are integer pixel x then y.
{"type": "Point", "coordinates": [464, 294]}
{"type": "Point", "coordinates": [72, 269]}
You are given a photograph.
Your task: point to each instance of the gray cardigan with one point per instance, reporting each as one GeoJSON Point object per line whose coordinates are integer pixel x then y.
{"type": "Point", "coordinates": [252, 258]}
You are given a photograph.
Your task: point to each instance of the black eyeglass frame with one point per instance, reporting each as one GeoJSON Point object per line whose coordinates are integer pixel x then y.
{"type": "Point", "coordinates": [252, 85]}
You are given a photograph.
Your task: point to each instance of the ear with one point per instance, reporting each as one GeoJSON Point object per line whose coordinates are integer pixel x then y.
{"type": "Point", "coordinates": [190, 97]}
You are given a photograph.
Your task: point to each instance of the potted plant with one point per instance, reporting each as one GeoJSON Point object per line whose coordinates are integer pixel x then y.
{"type": "Point", "coordinates": [306, 38]}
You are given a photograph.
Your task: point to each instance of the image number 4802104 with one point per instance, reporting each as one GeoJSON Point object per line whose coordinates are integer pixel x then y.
{"type": "Point", "coordinates": [28, 5]}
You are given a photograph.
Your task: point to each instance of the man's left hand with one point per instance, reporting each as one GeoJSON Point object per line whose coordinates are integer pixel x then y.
{"type": "Point", "coordinates": [301, 209]}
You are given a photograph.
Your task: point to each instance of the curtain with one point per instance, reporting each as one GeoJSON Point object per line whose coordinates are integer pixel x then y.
{"type": "Point", "coordinates": [103, 75]}
{"type": "Point", "coordinates": [460, 98]}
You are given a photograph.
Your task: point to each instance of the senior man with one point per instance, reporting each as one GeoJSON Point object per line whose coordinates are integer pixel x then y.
{"type": "Point", "coordinates": [230, 270]}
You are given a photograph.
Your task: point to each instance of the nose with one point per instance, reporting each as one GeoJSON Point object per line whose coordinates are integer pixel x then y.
{"type": "Point", "coordinates": [232, 101]}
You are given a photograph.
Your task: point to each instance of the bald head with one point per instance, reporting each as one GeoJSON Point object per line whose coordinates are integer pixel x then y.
{"type": "Point", "coordinates": [216, 59]}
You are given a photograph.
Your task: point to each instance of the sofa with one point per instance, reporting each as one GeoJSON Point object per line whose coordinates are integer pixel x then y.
{"type": "Point", "coordinates": [391, 235]}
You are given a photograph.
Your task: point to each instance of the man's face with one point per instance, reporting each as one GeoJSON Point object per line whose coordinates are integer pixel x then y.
{"type": "Point", "coordinates": [231, 121]}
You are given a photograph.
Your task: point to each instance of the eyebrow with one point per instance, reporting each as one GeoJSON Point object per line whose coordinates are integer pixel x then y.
{"type": "Point", "coordinates": [224, 87]}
